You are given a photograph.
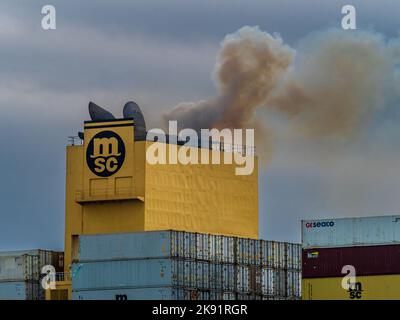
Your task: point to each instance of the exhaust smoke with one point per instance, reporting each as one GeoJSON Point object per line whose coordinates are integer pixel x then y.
{"type": "Point", "coordinates": [327, 88]}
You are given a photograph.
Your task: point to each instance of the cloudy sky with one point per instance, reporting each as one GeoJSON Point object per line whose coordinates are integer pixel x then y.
{"type": "Point", "coordinates": [161, 53]}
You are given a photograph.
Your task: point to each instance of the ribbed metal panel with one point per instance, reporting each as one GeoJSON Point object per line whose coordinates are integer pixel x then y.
{"type": "Point", "coordinates": [180, 273]}
{"type": "Point", "coordinates": [21, 290]}
{"type": "Point", "coordinates": [350, 232]}
{"type": "Point", "coordinates": [192, 246]}
{"type": "Point", "coordinates": [124, 273]}
{"type": "Point", "coordinates": [125, 246]}
{"type": "Point", "coordinates": [184, 261]}
{"type": "Point", "coordinates": [370, 260]}
{"type": "Point", "coordinates": [383, 287]}
{"type": "Point", "coordinates": [161, 293]}
{"type": "Point", "coordinates": [26, 265]}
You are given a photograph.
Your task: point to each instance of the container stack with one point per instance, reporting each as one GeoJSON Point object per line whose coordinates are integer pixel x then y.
{"type": "Point", "coordinates": [182, 265]}
{"type": "Point", "coordinates": [368, 246]}
{"type": "Point", "coordinates": [20, 273]}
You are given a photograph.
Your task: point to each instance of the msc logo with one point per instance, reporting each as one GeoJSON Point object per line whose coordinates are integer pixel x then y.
{"type": "Point", "coordinates": [105, 153]}
{"type": "Point", "coordinates": [355, 291]}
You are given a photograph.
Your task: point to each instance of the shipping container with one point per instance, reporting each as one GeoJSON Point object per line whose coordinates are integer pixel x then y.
{"type": "Point", "coordinates": [128, 273]}
{"type": "Point", "coordinates": [27, 265]}
{"type": "Point", "coordinates": [156, 244]}
{"type": "Point", "coordinates": [293, 256]}
{"type": "Point", "coordinates": [197, 275]}
{"type": "Point", "coordinates": [162, 293]}
{"type": "Point", "coordinates": [166, 293]}
{"type": "Point", "coordinates": [189, 246]}
{"type": "Point", "coordinates": [293, 285]}
{"type": "Point", "coordinates": [21, 290]}
{"type": "Point", "coordinates": [368, 260]}
{"type": "Point", "coordinates": [350, 232]}
{"type": "Point", "coordinates": [19, 267]}
{"type": "Point", "coordinates": [138, 245]}
{"type": "Point", "coordinates": [386, 287]}
{"type": "Point", "coordinates": [204, 263]}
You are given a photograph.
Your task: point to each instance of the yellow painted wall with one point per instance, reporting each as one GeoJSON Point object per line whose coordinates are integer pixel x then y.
{"type": "Point", "coordinates": [385, 287]}
{"type": "Point", "coordinates": [62, 292]}
{"type": "Point", "coordinates": [143, 197]}
{"type": "Point", "coordinates": [73, 210]}
{"type": "Point", "coordinates": [103, 204]}
{"type": "Point", "coordinates": [206, 198]}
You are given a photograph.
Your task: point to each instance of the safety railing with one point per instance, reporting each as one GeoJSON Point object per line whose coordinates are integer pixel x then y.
{"type": "Point", "coordinates": [63, 276]}
{"type": "Point", "coordinates": [236, 148]}
{"type": "Point", "coordinates": [74, 141]}
{"type": "Point", "coordinates": [216, 145]}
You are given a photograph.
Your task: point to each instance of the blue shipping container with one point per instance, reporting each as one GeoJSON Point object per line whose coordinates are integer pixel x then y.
{"type": "Point", "coordinates": [125, 294]}
{"type": "Point", "coordinates": [184, 260]}
{"type": "Point", "coordinates": [191, 246]}
{"type": "Point", "coordinates": [350, 232]}
{"type": "Point", "coordinates": [138, 245]}
{"type": "Point", "coordinates": [122, 273]}
{"type": "Point", "coordinates": [13, 291]}
{"type": "Point", "coordinates": [177, 273]}
{"type": "Point", "coordinates": [156, 273]}
{"type": "Point", "coordinates": [21, 290]}
{"type": "Point", "coordinates": [162, 293]}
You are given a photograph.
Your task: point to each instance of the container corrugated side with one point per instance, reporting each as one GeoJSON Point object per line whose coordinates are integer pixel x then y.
{"type": "Point", "coordinates": [368, 260]}
{"type": "Point", "coordinates": [156, 244]}
{"type": "Point", "coordinates": [166, 293]}
{"type": "Point", "coordinates": [19, 267]}
{"type": "Point", "coordinates": [350, 232]}
{"type": "Point", "coordinates": [157, 273]}
{"type": "Point", "coordinates": [26, 265]}
{"type": "Point", "coordinates": [155, 293]}
{"type": "Point", "coordinates": [202, 275]}
{"type": "Point", "coordinates": [190, 246]}
{"type": "Point", "coordinates": [162, 293]}
{"type": "Point", "coordinates": [123, 273]}
{"type": "Point", "coordinates": [48, 257]}
{"type": "Point", "coordinates": [19, 252]}
{"type": "Point", "coordinates": [385, 287]}
{"type": "Point", "coordinates": [13, 290]}
{"type": "Point", "coordinates": [137, 245]}
{"type": "Point", "coordinates": [21, 290]}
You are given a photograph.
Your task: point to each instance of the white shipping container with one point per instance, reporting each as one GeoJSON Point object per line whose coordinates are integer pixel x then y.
{"type": "Point", "coordinates": [187, 274]}
{"type": "Point", "coordinates": [350, 232]}
{"type": "Point", "coordinates": [19, 267]}
{"type": "Point", "coordinates": [189, 246]}
{"type": "Point", "coordinates": [25, 265]}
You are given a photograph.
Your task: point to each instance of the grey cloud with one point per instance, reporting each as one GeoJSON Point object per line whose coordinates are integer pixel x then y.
{"type": "Point", "coordinates": [160, 53]}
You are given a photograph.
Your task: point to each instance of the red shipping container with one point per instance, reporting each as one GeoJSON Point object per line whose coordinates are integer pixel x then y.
{"type": "Point", "coordinates": [368, 260]}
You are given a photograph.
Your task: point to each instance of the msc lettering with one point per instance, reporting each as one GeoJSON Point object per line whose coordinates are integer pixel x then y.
{"type": "Point", "coordinates": [355, 292]}
{"type": "Point", "coordinates": [105, 153]}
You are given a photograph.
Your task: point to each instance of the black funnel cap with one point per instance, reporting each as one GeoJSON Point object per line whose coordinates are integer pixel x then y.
{"type": "Point", "coordinates": [97, 113]}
